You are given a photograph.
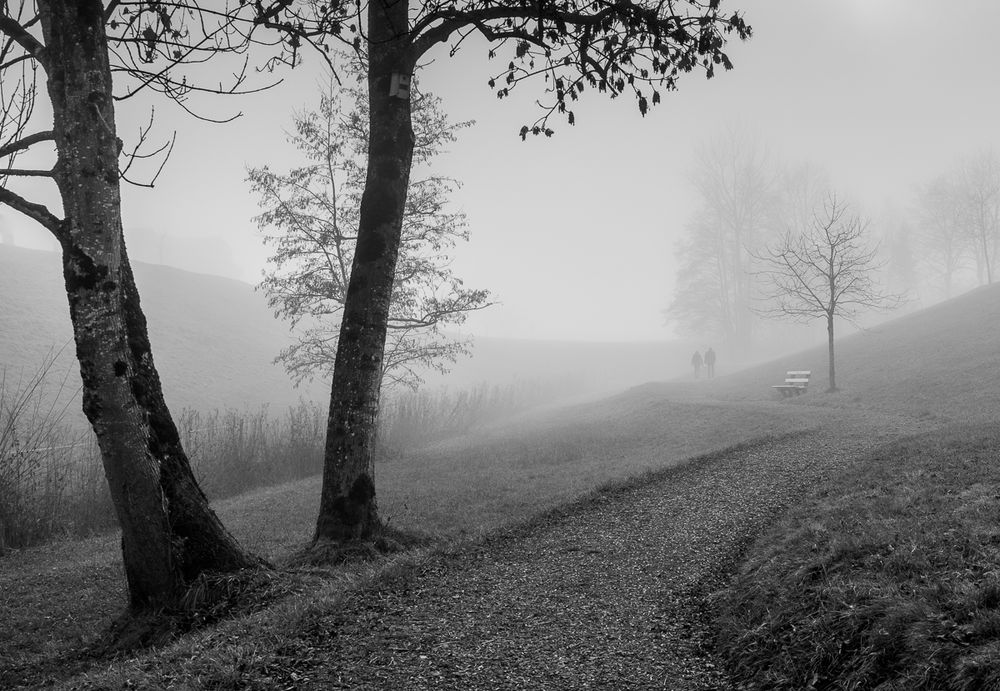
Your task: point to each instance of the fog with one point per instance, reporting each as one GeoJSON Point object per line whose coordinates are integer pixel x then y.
{"type": "Point", "coordinates": [577, 236]}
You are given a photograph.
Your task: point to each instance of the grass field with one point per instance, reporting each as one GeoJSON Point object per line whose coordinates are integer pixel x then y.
{"type": "Point", "coordinates": [56, 597]}
{"type": "Point", "coordinates": [887, 575]}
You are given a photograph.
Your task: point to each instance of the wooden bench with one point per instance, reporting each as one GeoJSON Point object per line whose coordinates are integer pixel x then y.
{"type": "Point", "coordinates": [796, 382]}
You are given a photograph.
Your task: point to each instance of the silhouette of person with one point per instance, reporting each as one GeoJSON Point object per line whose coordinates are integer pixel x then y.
{"type": "Point", "coordinates": [710, 362]}
{"type": "Point", "coordinates": [696, 363]}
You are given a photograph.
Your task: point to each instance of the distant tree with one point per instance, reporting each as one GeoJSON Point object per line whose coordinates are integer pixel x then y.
{"type": "Point", "coordinates": [701, 306]}
{"type": "Point", "coordinates": [826, 271]}
{"type": "Point", "coordinates": [979, 190]}
{"type": "Point", "coordinates": [802, 189]}
{"type": "Point", "coordinates": [170, 535]}
{"type": "Point", "coordinates": [942, 238]}
{"type": "Point", "coordinates": [898, 248]}
{"type": "Point", "coordinates": [314, 209]}
{"type": "Point", "coordinates": [736, 182]}
{"type": "Point", "coordinates": [625, 47]}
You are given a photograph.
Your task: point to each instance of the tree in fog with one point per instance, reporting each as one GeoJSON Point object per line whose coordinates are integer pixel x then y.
{"type": "Point", "coordinates": [897, 245]}
{"type": "Point", "coordinates": [941, 231]}
{"type": "Point", "coordinates": [73, 47]}
{"type": "Point", "coordinates": [979, 194]}
{"type": "Point", "coordinates": [824, 271]}
{"type": "Point", "coordinates": [623, 48]}
{"type": "Point", "coordinates": [736, 181]}
{"type": "Point", "coordinates": [314, 210]}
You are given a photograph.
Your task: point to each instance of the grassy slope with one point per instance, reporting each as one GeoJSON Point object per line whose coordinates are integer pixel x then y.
{"type": "Point", "coordinates": [564, 453]}
{"type": "Point", "coordinates": [939, 364]}
{"type": "Point", "coordinates": [464, 487]}
{"type": "Point", "coordinates": [213, 338]}
{"type": "Point", "coordinates": [889, 575]}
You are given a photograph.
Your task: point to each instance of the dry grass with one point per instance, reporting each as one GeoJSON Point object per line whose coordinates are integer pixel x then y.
{"type": "Point", "coordinates": [923, 512]}
{"type": "Point", "coordinates": [464, 487]}
{"type": "Point", "coordinates": [889, 577]}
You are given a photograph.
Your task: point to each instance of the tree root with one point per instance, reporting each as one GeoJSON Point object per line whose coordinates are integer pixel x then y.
{"type": "Point", "coordinates": [208, 599]}
{"type": "Point", "coordinates": [385, 541]}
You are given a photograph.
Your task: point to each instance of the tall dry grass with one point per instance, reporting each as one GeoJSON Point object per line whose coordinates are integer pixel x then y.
{"type": "Point", "coordinates": [44, 490]}
{"type": "Point", "coordinates": [51, 478]}
{"type": "Point", "coordinates": [233, 451]}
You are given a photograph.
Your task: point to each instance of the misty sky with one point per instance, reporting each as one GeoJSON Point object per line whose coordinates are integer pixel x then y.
{"type": "Point", "coordinates": [574, 235]}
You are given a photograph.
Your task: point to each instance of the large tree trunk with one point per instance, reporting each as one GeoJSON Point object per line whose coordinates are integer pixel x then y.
{"type": "Point", "coordinates": [169, 533]}
{"type": "Point", "coordinates": [348, 510]}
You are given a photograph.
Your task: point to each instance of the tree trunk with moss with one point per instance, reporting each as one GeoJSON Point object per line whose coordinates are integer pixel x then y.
{"type": "Point", "coordinates": [170, 535]}
{"type": "Point", "coordinates": [348, 510]}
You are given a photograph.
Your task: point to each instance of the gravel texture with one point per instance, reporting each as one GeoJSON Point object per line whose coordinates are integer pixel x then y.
{"type": "Point", "coordinates": [605, 594]}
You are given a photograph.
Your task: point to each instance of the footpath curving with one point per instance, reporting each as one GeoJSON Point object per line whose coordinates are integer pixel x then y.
{"type": "Point", "coordinates": [607, 593]}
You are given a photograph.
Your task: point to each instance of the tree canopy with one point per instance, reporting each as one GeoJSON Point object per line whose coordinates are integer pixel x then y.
{"type": "Point", "coordinates": [310, 217]}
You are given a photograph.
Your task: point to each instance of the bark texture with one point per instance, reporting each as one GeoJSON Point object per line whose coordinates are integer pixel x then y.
{"type": "Point", "coordinates": [169, 533]}
{"type": "Point", "coordinates": [348, 510]}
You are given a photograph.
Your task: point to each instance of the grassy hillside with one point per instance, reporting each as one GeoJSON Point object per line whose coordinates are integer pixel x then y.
{"type": "Point", "coordinates": [591, 366]}
{"type": "Point", "coordinates": [886, 577]}
{"type": "Point", "coordinates": [213, 338]}
{"type": "Point", "coordinates": [933, 494]}
{"type": "Point", "coordinates": [940, 363]}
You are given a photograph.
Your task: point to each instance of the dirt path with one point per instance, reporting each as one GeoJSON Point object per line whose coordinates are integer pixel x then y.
{"type": "Point", "coordinates": [606, 594]}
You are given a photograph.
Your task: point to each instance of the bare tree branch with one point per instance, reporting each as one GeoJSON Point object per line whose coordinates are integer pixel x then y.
{"type": "Point", "coordinates": [37, 212]}
{"type": "Point", "coordinates": [10, 27]}
{"type": "Point", "coordinates": [26, 142]}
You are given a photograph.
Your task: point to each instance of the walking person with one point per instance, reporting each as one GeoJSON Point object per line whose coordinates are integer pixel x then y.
{"type": "Point", "coordinates": [710, 363]}
{"type": "Point", "coordinates": [696, 363]}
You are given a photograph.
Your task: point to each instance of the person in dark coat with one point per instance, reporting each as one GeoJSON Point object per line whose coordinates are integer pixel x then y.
{"type": "Point", "coordinates": [696, 363]}
{"type": "Point", "coordinates": [710, 362]}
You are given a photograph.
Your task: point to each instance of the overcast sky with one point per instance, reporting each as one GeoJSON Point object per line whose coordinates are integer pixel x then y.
{"type": "Point", "coordinates": [574, 235]}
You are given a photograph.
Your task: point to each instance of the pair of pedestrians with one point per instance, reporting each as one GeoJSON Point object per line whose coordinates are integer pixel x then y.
{"type": "Point", "coordinates": [708, 361]}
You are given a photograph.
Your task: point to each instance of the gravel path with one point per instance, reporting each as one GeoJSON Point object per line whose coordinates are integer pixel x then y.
{"type": "Point", "coordinates": [606, 594]}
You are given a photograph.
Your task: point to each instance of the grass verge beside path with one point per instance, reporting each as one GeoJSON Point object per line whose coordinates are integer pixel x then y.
{"type": "Point", "coordinates": [886, 577]}
{"type": "Point", "coordinates": [603, 592]}
{"type": "Point", "coordinates": [55, 599]}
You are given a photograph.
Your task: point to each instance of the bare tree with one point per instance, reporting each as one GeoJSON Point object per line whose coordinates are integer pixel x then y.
{"type": "Point", "coordinates": [627, 47]}
{"type": "Point", "coordinates": [74, 47]}
{"type": "Point", "coordinates": [736, 180]}
{"type": "Point", "coordinates": [942, 236]}
{"type": "Point", "coordinates": [314, 209]}
{"type": "Point", "coordinates": [702, 303]}
{"type": "Point", "coordinates": [979, 189]}
{"type": "Point", "coordinates": [826, 271]}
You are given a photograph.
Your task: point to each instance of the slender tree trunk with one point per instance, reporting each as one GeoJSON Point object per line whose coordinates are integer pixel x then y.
{"type": "Point", "coordinates": [348, 510]}
{"type": "Point", "coordinates": [169, 533]}
{"type": "Point", "coordinates": [986, 258]}
{"type": "Point", "coordinates": [829, 340]}
{"type": "Point", "coordinates": [949, 264]}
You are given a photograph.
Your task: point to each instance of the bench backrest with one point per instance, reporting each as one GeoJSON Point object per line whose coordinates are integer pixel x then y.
{"type": "Point", "coordinates": [798, 376]}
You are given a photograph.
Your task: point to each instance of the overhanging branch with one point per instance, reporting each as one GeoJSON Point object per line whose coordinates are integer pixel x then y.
{"type": "Point", "coordinates": [20, 35]}
{"type": "Point", "coordinates": [37, 212]}
{"type": "Point", "coordinates": [24, 143]}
